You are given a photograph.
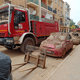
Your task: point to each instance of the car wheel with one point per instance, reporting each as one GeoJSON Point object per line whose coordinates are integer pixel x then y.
{"type": "Point", "coordinates": [64, 52]}
{"type": "Point", "coordinates": [27, 41]}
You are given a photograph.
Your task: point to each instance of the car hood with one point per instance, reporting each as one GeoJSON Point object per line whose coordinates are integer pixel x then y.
{"type": "Point", "coordinates": [49, 45]}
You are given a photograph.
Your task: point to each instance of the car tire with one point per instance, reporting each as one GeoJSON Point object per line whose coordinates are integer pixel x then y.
{"type": "Point", "coordinates": [27, 41]}
{"type": "Point", "coordinates": [64, 52]}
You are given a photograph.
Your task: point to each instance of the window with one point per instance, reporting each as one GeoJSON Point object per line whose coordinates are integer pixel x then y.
{"type": "Point", "coordinates": [66, 5]}
{"type": "Point", "coordinates": [55, 1]}
{"type": "Point", "coordinates": [58, 20]}
{"type": "Point", "coordinates": [61, 4]}
{"type": "Point", "coordinates": [3, 16]}
{"type": "Point", "coordinates": [65, 14]}
{"type": "Point", "coordinates": [19, 17]}
{"type": "Point", "coordinates": [61, 13]}
{"type": "Point", "coordinates": [68, 37]}
{"type": "Point", "coordinates": [58, 12]}
{"type": "Point", "coordinates": [22, 17]}
{"type": "Point", "coordinates": [58, 2]}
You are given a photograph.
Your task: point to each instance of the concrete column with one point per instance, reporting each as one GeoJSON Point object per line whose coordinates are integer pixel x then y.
{"type": "Point", "coordinates": [39, 12]}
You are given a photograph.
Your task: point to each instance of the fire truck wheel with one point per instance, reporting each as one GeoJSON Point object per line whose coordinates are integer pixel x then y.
{"type": "Point", "coordinates": [27, 41]}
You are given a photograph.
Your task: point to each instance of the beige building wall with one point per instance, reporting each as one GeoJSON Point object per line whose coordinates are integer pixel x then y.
{"type": "Point", "coordinates": [1, 2]}
{"type": "Point", "coordinates": [19, 2]}
{"type": "Point", "coordinates": [58, 6]}
{"type": "Point", "coordinates": [15, 2]}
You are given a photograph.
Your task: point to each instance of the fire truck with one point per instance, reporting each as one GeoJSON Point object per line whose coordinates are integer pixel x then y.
{"type": "Point", "coordinates": [16, 28]}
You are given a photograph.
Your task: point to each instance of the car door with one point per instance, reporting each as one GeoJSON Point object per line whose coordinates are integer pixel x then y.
{"type": "Point", "coordinates": [68, 42]}
{"type": "Point", "coordinates": [20, 23]}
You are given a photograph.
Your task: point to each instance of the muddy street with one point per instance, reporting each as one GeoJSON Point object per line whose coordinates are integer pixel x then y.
{"type": "Point", "coordinates": [36, 74]}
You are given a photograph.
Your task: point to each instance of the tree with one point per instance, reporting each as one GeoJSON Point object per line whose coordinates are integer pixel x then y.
{"type": "Point", "coordinates": [72, 23]}
{"type": "Point", "coordinates": [72, 27]}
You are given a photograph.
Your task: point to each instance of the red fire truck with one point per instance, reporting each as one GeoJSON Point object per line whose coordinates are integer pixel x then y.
{"type": "Point", "coordinates": [16, 28]}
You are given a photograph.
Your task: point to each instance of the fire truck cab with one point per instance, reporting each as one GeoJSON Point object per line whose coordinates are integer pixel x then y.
{"type": "Point", "coordinates": [16, 28]}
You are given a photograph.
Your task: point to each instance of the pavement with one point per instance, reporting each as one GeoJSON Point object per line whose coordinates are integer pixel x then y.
{"type": "Point", "coordinates": [68, 69]}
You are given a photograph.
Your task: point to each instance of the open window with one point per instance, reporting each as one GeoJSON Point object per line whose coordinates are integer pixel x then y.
{"type": "Point", "coordinates": [19, 17]}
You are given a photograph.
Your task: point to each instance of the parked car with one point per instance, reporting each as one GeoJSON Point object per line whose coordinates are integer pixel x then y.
{"type": "Point", "coordinates": [5, 67]}
{"type": "Point", "coordinates": [57, 44]}
{"type": "Point", "coordinates": [75, 37]}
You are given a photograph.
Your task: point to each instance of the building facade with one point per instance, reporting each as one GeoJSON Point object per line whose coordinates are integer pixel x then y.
{"type": "Point", "coordinates": [78, 24]}
{"type": "Point", "coordinates": [66, 13]}
{"type": "Point", "coordinates": [56, 10]}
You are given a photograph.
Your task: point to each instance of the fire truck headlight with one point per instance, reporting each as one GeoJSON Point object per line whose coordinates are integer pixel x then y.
{"type": "Point", "coordinates": [11, 41]}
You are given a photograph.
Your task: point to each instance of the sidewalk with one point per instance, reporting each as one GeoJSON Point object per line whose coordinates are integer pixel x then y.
{"type": "Point", "coordinates": [69, 69]}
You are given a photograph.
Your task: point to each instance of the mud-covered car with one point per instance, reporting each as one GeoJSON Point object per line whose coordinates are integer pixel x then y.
{"type": "Point", "coordinates": [5, 67]}
{"type": "Point", "coordinates": [57, 44]}
{"type": "Point", "coordinates": [75, 37]}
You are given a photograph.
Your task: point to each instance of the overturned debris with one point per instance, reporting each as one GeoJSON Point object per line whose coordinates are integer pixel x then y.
{"type": "Point", "coordinates": [75, 37]}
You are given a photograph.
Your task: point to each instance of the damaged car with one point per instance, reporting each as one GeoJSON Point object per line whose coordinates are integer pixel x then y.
{"type": "Point", "coordinates": [57, 44]}
{"type": "Point", "coordinates": [75, 37]}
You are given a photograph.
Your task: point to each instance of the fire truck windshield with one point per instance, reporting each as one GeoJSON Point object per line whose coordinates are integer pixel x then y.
{"type": "Point", "coordinates": [4, 16]}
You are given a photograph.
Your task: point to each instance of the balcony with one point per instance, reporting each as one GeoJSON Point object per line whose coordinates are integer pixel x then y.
{"type": "Point", "coordinates": [68, 18]}
{"type": "Point", "coordinates": [33, 3]}
{"type": "Point", "coordinates": [43, 5]}
{"type": "Point", "coordinates": [68, 10]}
{"type": "Point", "coordinates": [65, 24]}
{"type": "Point", "coordinates": [61, 16]}
{"type": "Point", "coordinates": [54, 11]}
{"type": "Point", "coordinates": [49, 8]}
{"type": "Point", "coordinates": [34, 17]}
{"type": "Point", "coordinates": [61, 25]}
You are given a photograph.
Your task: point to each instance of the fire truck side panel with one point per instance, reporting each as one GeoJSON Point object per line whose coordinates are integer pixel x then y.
{"type": "Point", "coordinates": [43, 28]}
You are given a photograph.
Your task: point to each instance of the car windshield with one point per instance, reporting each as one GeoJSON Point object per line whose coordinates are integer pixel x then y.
{"type": "Point", "coordinates": [62, 38]}
{"type": "Point", "coordinates": [56, 37]}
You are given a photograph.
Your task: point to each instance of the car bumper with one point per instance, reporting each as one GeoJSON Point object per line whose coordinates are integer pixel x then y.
{"type": "Point", "coordinates": [6, 41]}
{"type": "Point", "coordinates": [55, 53]}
